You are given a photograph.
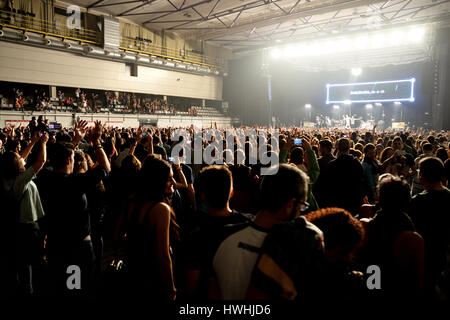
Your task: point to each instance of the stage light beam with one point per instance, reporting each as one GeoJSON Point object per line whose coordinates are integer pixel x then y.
{"type": "Point", "coordinates": [356, 71]}
{"type": "Point", "coordinates": [276, 53]}
{"type": "Point", "coordinates": [416, 35]}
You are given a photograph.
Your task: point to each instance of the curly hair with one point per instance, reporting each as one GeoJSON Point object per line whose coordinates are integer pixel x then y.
{"type": "Point", "coordinates": [339, 227]}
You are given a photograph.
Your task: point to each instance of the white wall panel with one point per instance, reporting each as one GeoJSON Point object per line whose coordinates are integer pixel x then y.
{"type": "Point", "coordinates": [21, 63]}
{"type": "Point", "coordinates": [114, 120]}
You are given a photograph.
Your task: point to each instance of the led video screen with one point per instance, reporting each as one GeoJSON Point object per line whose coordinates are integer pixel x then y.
{"type": "Point", "coordinates": [377, 91]}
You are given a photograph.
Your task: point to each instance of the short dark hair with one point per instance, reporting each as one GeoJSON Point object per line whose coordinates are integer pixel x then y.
{"type": "Point", "coordinates": [60, 153]}
{"type": "Point", "coordinates": [297, 155]}
{"type": "Point", "coordinates": [9, 165]}
{"type": "Point", "coordinates": [277, 189]}
{"type": "Point", "coordinates": [215, 183]}
{"type": "Point", "coordinates": [326, 144]}
{"type": "Point", "coordinates": [427, 147]}
{"type": "Point", "coordinates": [394, 193]}
{"type": "Point", "coordinates": [161, 151]}
{"type": "Point", "coordinates": [343, 145]}
{"type": "Point", "coordinates": [431, 169]}
{"type": "Point", "coordinates": [242, 177]}
{"type": "Point", "coordinates": [397, 139]}
{"type": "Point", "coordinates": [368, 147]}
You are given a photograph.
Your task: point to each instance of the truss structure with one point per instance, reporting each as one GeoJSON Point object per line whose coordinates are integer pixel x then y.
{"type": "Point", "coordinates": [244, 25]}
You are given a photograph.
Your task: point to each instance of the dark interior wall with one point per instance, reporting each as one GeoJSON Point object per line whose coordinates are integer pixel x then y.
{"type": "Point", "coordinates": [246, 90]}
{"type": "Point", "coordinates": [446, 124]}
{"type": "Point", "coordinates": [444, 37]}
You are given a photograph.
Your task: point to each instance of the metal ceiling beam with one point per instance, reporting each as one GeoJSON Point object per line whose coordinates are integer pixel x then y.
{"type": "Point", "coordinates": [172, 4]}
{"type": "Point", "coordinates": [223, 13]}
{"type": "Point", "coordinates": [220, 20]}
{"type": "Point", "coordinates": [113, 4]}
{"type": "Point", "coordinates": [282, 10]}
{"type": "Point", "coordinates": [421, 9]}
{"type": "Point", "coordinates": [206, 28]}
{"type": "Point", "coordinates": [313, 10]}
{"type": "Point", "coordinates": [134, 8]}
{"type": "Point", "coordinates": [392, 4]}
{"type": "Point", "coordinates": [94, 4]}
{"type": "Point", "coordinates": [294, 6]}
{"type": "Point", "coordinates": [176, 11]}
{"type": "Point", "coordinates": [348, 18]}
{"type": "Point", "coordinates": [436, 18]}
{"type": "Point", "coordinates": [234, 21]}
{"type": "Point", "coordinates": [378, 12]}
{"type": "Point", "coordinates": [196, 11]}
{"type": "Point", "coordinates": [213, 8]}
{"type": "Point", "coordinates": [403, 7]}
{"type": "Point", "coordinates": [147, 13]}
{"type": "Point", "coordinates": [305, 21]}
{"type": "Point", "coordinates": [173, 21]}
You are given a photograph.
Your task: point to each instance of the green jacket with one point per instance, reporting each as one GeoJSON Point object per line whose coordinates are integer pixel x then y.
{"type": "Point", "coordinates": [313, 174]}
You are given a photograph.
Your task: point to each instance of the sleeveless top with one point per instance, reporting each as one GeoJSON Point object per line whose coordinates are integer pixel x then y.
{"type": "Point", "coordinates": [142, 255]}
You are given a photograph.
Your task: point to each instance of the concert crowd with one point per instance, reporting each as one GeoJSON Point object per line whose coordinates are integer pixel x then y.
{"type": "Point", "coordinates": [135, 220]}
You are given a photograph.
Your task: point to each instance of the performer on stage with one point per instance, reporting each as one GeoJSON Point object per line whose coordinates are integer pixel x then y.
{"type": "Point", "coordinates": [347, 121]}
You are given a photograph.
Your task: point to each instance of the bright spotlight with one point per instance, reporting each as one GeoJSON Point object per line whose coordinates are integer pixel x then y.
{"type": "Point", "coordinates": [397, 103]}
{"type": "Point", "coordinates": [301, 50]}
{"type": "Point", "coordinates": [329, 47]}
{"type": "Point", "coordinates": [276, 53]}
{"type": "Point", "coordinates": [356, 71]}
{"type": "Point", "coordinates": [307, 106]}
{"type": "Point", "coordinates": [316, 49]}
{"type": "Point", "coordinates": [361, 42]}
{"type": "Point", "coordinates": [378, 40]}
{"type": "Point", "coordinates": [347, 102]}
{"type": "Point", "coordinates": [289, 51]}
{"type": "Point", "coordinates": [344, 45]}
{"type": "Point", "coordinates": [336, 107]}
{"type": "Point", "coordinates": [416, 35]}
{"type": "Point", "coordinates": [378, 104]}
{"type": "Point", "coordinates": [396, 38]}
{"type": "Point", "coordinates": [369, 106]}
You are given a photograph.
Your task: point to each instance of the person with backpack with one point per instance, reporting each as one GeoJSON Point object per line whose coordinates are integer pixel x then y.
{"type": "Point", "coordinates": [282, 197]}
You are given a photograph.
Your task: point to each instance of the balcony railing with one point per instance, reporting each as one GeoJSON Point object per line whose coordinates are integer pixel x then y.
{"type": "Point", "coordinates": [57, 29]}
{"type": "Point", "coordinates": [27, 23]}
{"type": "Point", "coordinates": [130, 44]}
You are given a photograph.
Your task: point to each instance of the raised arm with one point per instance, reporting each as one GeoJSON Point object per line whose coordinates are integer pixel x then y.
{"type": "Point", "coordinates": [100, 154]}
{"type": "Point", "coordinates": [80, 132]}
{"type": "Point", "coordinates": [313, 164]}
{"type": "Point", "coordinates": [26, 151]}
{"type": "Point", "coordinates": [136, 141]}
{"type": "Point", "coordinates": [42, 156]}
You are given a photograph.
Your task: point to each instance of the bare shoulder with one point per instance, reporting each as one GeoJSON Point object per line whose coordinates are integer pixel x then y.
{"type": "Point", "coordinates": [160, 213]}
{"type": "Point", "coordinates": [162, 207]}
{"type": "Point", "coordinates": [409, 239]}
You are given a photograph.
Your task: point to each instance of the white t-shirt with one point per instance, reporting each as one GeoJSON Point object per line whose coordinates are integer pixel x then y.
{"type": "Point", "coordinates": [25, 191]}
{"type": "Point", "coordinates": [235, 259]}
